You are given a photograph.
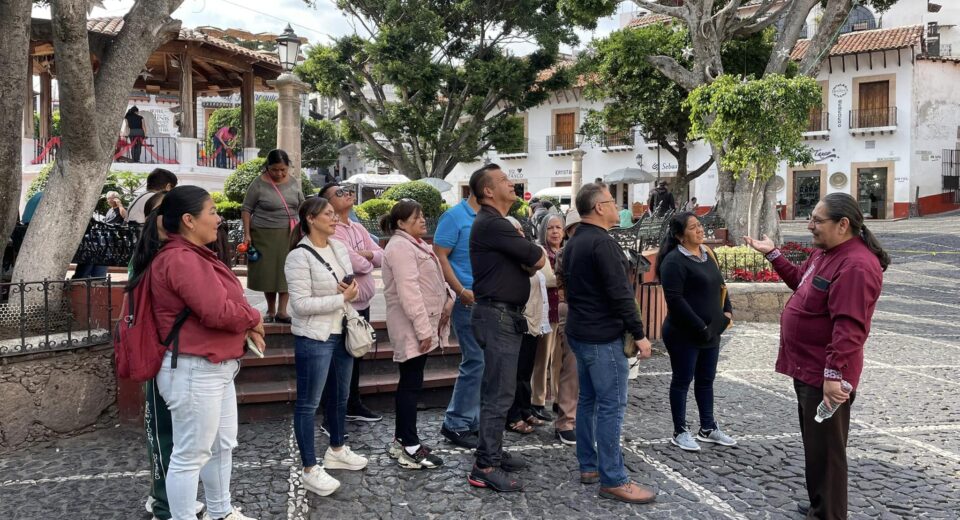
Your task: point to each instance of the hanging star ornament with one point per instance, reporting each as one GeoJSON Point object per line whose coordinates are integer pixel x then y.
{"type": "Point", "coordinates": [687, 53]}
{"type": "Point", "coordinates": [145, 74]}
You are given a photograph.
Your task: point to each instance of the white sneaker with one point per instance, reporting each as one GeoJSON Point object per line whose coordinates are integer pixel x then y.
{"type": "Point", "coordinates": [319, 481]}
{"type": "Point", "coordinates": [343, 459]}
{"type": "Point", "coordinates": [234, 515]}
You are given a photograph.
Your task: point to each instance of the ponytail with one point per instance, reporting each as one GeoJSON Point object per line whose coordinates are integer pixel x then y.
{"type": "Point", "coordinates": [675, 228]}
{"type": "Point", "coordinates": [311, 207]}
{"type": "Point", "coordinates": [874, 246]}
{"type": "Point", "coordinates": [146, 249]}
{"type": "Point", "coordinates": [402, 210]}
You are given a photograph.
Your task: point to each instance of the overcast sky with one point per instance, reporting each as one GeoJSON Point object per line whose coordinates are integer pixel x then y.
{"type": "Point", "coordinates": [315, 23]}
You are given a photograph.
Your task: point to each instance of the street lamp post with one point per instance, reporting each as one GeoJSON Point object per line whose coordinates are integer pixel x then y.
{"type": "Point", "coordinates": [289, 88]}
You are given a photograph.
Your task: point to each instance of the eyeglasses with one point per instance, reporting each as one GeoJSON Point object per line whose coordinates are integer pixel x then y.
{"type": "Point", "coordinates": [343, 193]}
{"type": "Point", "coordinates": [817, 221]}
{"type": "Point", "coordinates": [606, 201]}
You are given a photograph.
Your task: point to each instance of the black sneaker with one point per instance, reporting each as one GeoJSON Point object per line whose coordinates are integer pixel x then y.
{"type": "Point", "coordinates": [568, 437]}
{"type": "Point", "coordinates": [496, 479]}
{"type": "Point", "coordinates": [541, 414]}
{"type": "Point", "coordinates": [512, 463]}
{"type": "Point", "coordinates": [466, 439]}
{"type": "Point", "coordinates": [422, 459]}
{"type": "Point", "coordinates": [326, 433]}
{"type": "Point", "coordinates": [362, 413]}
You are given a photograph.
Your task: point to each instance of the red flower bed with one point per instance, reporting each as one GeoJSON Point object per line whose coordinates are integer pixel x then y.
{"type": "Point", "coordinates": [763, 275]}
{"type": "Point", "coordinates": [796, 246]}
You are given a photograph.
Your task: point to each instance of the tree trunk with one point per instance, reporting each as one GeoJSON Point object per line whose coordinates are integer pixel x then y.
{"type": "Point", "coordinates": [770, 215]}
{"type": "Point", "coordinates": [91, 110]}
{"type": "Point", "coordinates": [14, 48]}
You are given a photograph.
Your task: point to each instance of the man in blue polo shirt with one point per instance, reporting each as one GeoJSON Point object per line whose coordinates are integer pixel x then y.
{"type": "Point", "coordinates": [451, 243]}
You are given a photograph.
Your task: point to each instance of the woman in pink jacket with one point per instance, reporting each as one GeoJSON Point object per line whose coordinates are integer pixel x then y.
{"type": "Point", "coordinates": [419, 303]}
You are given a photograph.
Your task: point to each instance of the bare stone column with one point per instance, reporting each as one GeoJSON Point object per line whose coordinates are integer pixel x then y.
{"type": "Point", "coordinates": [290, 89]}
{"type": "Point", "coordinates": [577, 175]}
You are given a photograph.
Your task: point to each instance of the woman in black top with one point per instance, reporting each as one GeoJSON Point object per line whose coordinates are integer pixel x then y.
{"type": "Point", "coordinates": [136, 134]}
{"type": "Point", "coordinates": [696, 316]}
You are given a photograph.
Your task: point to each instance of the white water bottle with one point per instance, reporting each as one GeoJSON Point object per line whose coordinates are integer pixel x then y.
{"type": "Point", "coordinates": [824, 411]}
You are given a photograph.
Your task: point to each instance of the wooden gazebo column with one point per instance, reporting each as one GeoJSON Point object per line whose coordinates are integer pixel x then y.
{"type": "Point", "coordinates": [248, 116]}
{"type": "Point", "coordinates": [188, 114]}
{"type": "Point", "coordinates": [28, 102]}
{"type": "Point", "coordinates": [46, 105]}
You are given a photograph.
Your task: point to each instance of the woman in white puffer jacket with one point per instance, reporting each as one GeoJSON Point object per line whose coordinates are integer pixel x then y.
{"type": "Point", "coordinates": [316, 270]}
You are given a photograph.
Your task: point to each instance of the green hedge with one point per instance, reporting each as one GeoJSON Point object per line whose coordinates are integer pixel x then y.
{"type": "Point", "coordinates": [425, 194]}
{"type": "Point", "coordinates": [236, 184]}
{"type": "Point", "coordinates": [373, 209]}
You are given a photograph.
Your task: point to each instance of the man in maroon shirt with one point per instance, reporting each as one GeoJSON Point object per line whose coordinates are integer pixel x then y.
{"type": "Point", "coordinates": [822, 332]}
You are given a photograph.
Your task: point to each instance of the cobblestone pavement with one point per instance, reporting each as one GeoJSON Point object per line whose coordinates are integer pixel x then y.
{"type": "Point", "coordinates": [904, 444]}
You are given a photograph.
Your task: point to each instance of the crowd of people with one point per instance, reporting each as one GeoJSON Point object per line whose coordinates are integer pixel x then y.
{"type": "Point", "coordinates": [551, 318]}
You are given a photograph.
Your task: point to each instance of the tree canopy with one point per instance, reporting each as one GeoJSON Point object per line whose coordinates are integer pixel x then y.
{"type": "Point", "coordinates": [759, 122]}
{"type": "Point", "coordinates": [431, 84]}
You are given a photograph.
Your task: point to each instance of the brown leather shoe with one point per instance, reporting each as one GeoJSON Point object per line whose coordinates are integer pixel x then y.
{"type": "Point", "coordinates": [590, 477]}
{"type": "Point", "coordinates": [631, 493]}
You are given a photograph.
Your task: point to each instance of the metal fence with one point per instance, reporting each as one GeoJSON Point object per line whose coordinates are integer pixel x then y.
{"type": "Point", "coordinates": [54, 315]}
{"type": "Point", "coordinates": [218, 157]}
{"type": "Point", "coordinates": [753, 266]}
{"type": "Point", "coordinates": [146, 150]}
{"type": "Point", "coordinates": [873, 117]}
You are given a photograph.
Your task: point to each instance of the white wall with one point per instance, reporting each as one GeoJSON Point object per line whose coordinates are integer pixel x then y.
{"type": "Point", "coordinates": [540, 170]}
{"type": "Point", "coordinates": [936, 122]}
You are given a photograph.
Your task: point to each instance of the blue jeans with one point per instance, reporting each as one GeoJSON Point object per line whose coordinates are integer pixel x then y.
{"type": "Point", "coordinates": [314, 360]}
{"type": "Point", "coordinates": [463, 413]}
{"type": "Point", "coordinates": [602, 370]}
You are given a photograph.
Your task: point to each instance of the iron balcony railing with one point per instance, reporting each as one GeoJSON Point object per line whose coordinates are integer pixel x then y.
{"type": "Point", "coordinates": [146, 150]}
{"type": "Point", "coordinates": [522, 147]}
{"type": "Point", "coordinates": [612, 139]}
{"type": "Point", "coordinates": [873, 118]}
{"type": "Point", "coordinates": [563, 142]}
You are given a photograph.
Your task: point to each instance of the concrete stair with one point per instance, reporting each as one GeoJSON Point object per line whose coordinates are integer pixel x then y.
{"type": "Point", "coordinates": [267, 387]}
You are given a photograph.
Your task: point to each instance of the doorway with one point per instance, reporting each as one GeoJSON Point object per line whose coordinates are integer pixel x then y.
{"type": "Point", "coordinates": [872, 192]}
{"type": "Point", "coordinates": [566, 129]}
{"type": "Point", "coordinates": [806, 193]}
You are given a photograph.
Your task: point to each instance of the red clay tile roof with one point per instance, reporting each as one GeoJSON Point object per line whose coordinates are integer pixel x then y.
{"type": "Point", "coordinates": [112, 26]}
{"type": "Point", "coordinates": [868, 41]}
{"type": "Point", "coordinates": [649, 19]}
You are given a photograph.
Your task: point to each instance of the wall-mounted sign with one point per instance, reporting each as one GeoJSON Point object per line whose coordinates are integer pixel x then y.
{"type": "Point", "coordinates": [562, 173]}
{"type": "Point", "coordinates": [825, 155]}
{"type": "Point", "coordinates": [902, 180]}
{"type": "Point", "coordinates": [838, 179]}
{"type": "Point", "coordinates": [840, 113]}
{"type": "Point", "coordinates": [666, 167]}
{"type": "Point", "coordinates": [889, 159]}
{"type": "Point", "coordinates": [840, 90]}
{"type": "Point", "coordinates": [515, 174]}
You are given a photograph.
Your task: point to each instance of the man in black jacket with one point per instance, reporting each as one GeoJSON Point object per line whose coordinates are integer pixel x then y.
{"type": "Point", "coordinates": [502, 262]}
{"type": "Point", "coordinates": [601, 308]}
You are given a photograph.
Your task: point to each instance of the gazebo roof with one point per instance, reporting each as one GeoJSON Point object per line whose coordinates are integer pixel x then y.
{"type": "Point", "coordinates": [217, 63]}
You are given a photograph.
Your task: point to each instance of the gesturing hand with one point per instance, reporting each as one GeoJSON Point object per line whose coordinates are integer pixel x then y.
{"type": "Point", "coordinates": [764, 245]}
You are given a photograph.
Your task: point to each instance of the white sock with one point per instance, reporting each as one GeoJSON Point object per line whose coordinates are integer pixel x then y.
{"type": "Point", "coordinates": [411, 449]}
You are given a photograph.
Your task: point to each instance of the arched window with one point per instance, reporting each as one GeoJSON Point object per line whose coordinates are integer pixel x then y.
{"type": "Point", "coordinates": [860, 19]}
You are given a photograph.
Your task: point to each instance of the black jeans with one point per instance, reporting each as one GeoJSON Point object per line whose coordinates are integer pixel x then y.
{"type": "Point", "coordinates": [521, 408]}
{"type": "Point", "coordinates": [499, 335]}
{"type": "Point", "coordinates": [408, 391]}
{"type": "Point", "coordinates": [825, 453]}
{"type": "Point", "coordinates": [353, 401]}
{"type": "Point", "coordinates": [697, 365]}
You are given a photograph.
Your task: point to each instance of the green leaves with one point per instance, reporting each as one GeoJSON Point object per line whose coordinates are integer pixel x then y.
{"type": "Point", "coordinates": [757, 122]}
{"type": "Point", "coordinates": [428, 84]}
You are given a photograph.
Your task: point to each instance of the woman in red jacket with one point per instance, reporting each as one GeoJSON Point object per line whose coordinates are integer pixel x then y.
{"type": "Point", "coordinates": [197, 382]}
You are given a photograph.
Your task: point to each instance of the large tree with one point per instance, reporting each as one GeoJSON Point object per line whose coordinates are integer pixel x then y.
{"type": "Point", "coordinates": [710, 24]}
{"type": "Point", "coordinates": [430, 84]}
{"type": "Point", "coordinates": [92, 103]}
{"type": "Point", "coordinates": [14, 52]}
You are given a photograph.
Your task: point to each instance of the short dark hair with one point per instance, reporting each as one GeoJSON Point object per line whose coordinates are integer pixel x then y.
{"type": "Point", "coordinates": [547, 204]}
{"type": "Point", "coordinates": [587, 197]}
{"type": "Point", "coordinates": [159, 178]}
{"type": "Point", "coordinates": [480, 180]}
{"type": "Point", "coordinates": [327, 186]}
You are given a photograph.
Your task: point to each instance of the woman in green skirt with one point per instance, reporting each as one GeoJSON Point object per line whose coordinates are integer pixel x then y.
{"type": "Point", "coordinates": [269, 213]}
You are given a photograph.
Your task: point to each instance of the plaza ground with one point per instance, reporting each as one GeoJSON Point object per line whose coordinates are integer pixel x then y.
{"type": "Point", "coordinates": [904, 445]}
